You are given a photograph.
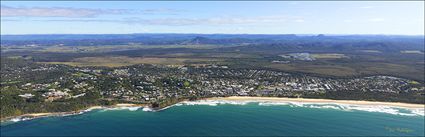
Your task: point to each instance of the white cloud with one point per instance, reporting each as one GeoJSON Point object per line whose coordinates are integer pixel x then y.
{"type": "Point", "coordinates": [7, 11]}
{"type": "Point", "coordinates": [160, 11]}
{"type": "Point", "coordinates": [187, 21]}
{"type": "Point", "coordinates": [88, 15]}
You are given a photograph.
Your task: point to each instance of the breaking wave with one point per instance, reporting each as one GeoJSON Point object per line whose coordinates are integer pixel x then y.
{"type": "Point", "coordinates": [121, 108]}
{"type": "Point", "coordinates": [336, 106]}
{"type": "Point", "coordinates": [213, 102]}
{"type": "Point", "coordinates": [20, 119]}
{"type": "Point", "coordinates": [147, 109]}
{"type": "Point", "coordinates": [346, 107]}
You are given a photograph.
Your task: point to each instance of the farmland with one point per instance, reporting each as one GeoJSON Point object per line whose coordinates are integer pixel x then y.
{"type": "Point", "coordinates": [333, 56]}
{"type": "Point", "coordinates": [118, 61]}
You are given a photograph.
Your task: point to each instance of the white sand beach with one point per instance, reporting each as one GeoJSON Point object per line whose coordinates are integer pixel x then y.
{"type": "Point", "coordinates": [306, 100]}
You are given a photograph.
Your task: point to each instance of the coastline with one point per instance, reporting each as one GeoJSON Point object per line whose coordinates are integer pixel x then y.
{"type": "Point", "coordinates": [230, 98]}
{"type": "Point", "coordinates": [49, 114]}
{"type": "Point", "coordinates": [324, 101]}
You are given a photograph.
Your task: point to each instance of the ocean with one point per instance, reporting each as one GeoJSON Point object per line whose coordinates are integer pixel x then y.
{"type": "Point", "coordinates": [227, 119]}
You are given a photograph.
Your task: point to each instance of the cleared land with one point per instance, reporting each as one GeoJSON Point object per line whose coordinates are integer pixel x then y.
{"type": "Point", "coordinates": [412, 52]}
{"type": "Point", "coordinates": [210, 55]}
{"type": "Point", "coordinates": [370, 51]}
{"type": "Point", "coordinates": [119, 61]}
{"type": "Point", "coordinates": [107, 48]}
{"type": "Point", "coordinates": [100, 49]}
{"type": "Point", "coordinates": [328, 56]}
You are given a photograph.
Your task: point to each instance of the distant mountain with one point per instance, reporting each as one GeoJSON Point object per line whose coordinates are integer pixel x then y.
{"type": "Point", "coordinates": [257, 41]}
{"type": "Point", "coordinates": [198, 40]}
{"type": "Point", "coordinates": [167, 36]}
{"type": "Point", "coordinates": [223, 41]}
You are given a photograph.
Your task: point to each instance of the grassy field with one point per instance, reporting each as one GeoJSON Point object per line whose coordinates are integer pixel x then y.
{"type": "Point", "coordinates": [100, 49]}
{"type": "Point", "coordinates": [108, 48]}
{"type": "Point", "coordinates": [210, 55]}
{"type": "Point", "coordinates": [329, 56]}
{"type": "Point", "coordinates": [19, 57]}
{"type": "Point", "coordinates": [370, 51]}
{"type": "Point", "coordinates": [411, 52]}
{"type": "Point", "coordinates": [118, 61]}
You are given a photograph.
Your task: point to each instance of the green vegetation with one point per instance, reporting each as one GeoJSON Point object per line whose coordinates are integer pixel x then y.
{"type": "Point", "coordinates": [186, 84]}
{"type": "Point", "coordinates": [180, 68]}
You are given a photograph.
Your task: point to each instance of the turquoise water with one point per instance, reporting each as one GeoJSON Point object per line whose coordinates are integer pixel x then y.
{"type": "Point", "coordinates": [222, 120]}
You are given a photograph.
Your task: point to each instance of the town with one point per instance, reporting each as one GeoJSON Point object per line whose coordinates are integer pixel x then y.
{"type": "Point", "coordinates": [149, 83]}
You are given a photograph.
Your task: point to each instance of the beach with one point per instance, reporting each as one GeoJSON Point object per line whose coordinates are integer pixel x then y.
{"type": "Point", "coordinates": [229, 116]}
{"type": "Point", "coordinates": [237, 99]}
{"type": "Point", "coordinates": [319, 101]}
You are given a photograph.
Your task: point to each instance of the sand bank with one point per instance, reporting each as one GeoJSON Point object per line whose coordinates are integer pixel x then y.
{"type": "Point", "coordinates": [307, 100]}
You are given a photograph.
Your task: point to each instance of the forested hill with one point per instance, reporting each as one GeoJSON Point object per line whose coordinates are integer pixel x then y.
{"type": "Point", "coordinates": [385, 42]}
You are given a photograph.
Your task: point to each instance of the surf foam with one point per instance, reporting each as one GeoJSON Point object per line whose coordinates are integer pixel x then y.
{"type": "Point", "coordinates": [336, 106]}
{"type": "Point", "coordinates": [213, 102]}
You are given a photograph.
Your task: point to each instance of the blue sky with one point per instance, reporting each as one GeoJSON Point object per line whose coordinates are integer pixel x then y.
{"type": "Point", "coordinates": [240, 17]}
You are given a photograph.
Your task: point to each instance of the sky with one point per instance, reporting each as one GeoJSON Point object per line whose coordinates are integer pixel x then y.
{"type": "Point", "coordinates": [213, 17]}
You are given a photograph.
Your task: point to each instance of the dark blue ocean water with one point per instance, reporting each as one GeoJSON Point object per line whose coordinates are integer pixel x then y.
{"type": "Point", "coordinates": [222, 120]}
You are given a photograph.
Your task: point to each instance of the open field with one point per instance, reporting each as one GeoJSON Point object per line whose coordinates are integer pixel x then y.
{"type": "Point", "coordinates": [99, 49]}
{"type": "Point", "coordinates": [370, 51]}
{"type": "Point", "coordinates": [74, 49]}
{"type": "Point", "coordinates": [328, 56]}
{"type": "Point", "coordinates": [118, 61]}
{"type": "Point", "coordinates": [210, 55]}
{"type": "Point", "coordinates": [412, 52]}
{"type": "Point", "coordinates": [19, 57]}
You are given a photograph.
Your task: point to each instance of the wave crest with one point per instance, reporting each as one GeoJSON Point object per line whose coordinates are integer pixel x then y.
{"type": "Point", "coordinates": [122, 108]}
{"type": "Point", "coordinates": [336, 106]}
{"type": "Point", "coordinates": [213, 102]}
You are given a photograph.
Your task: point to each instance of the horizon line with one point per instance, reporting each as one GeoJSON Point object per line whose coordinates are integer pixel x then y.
{"type": "Point", "coordinates": [300, 34]}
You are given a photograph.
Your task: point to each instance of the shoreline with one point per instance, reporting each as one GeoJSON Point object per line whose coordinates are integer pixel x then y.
{"type": "Point", "coordinates": [49, 114]}
{"type": "Point", "coordinates": [313, 101]}
{"type": "Point", "coordinates": [230, 98]}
